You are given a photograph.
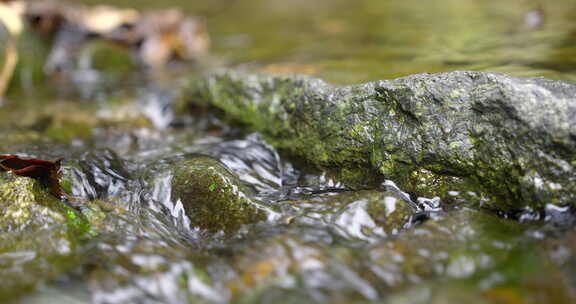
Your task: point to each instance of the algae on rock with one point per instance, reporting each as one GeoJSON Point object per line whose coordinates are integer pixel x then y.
{"type": "Point", "coordinates": [39, 235]}
{"type": "Point", "coordinates": [212, 196]}
{"type": "Point", "coordinates": [510, 140]}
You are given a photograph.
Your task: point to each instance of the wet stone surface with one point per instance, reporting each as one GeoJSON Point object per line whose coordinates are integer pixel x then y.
{"type": "Point", "coordinates": [316, 241]}
{"type": "Point", "coordinates": [281, 229]}
{"type": "Point", "coordinates": [510, 140]}
{"type": "Point", "coordinates": [238, 187]}
{"type": "Point", "coordinates": [212, 196]}
{"type": "Point", "coordinates": [361, 215]}
{"type": "Point", "coordinates": [40, 235]}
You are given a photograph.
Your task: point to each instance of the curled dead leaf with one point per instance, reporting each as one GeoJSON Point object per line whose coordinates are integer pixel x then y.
{"type": "Point", "coordinates": [46, 172]}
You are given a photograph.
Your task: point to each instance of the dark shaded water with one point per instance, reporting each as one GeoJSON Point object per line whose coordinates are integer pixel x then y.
{"type": "Point", "coordinates": [322, 240]}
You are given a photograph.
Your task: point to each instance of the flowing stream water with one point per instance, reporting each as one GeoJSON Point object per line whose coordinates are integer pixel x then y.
{"type": "Point", "coordinates": [322, 240]}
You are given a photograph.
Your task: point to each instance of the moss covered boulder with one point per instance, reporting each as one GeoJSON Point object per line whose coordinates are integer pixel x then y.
{"type": "Point", "coordinates": [213, 197]}
{"type": "Point", "coordinates": [39, 235]}
{"type": "Point", "coordinates": [510, 140]}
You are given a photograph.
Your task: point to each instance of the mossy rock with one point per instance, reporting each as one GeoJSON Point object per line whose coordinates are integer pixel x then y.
{"type": "Point", "coordinates": [510, 140]}
{"type": "Point", "coordinates": [39, 235]}
{"type": "Point", "coordinates": [213, 197]}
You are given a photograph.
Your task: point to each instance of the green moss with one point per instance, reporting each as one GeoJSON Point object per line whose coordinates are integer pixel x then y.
{"type": "Point", "coordinates": [212, 196]}
{"type": "Point", "coordinates": [66, 185]}
{"type": "Point", "coordinates": [464, 131]}
{"type": "Point", "coordinates": [24, 199]}
{"type": "Point", "coordinates": [65, 131]}
{"type": "Point", "coordinates": [81, 224]}
{"type": "Point", "coordinates": [35, 222]}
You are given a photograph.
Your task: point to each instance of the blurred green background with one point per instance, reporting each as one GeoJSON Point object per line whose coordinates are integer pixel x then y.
{"type": "Point", "coordinates": [351, 41]}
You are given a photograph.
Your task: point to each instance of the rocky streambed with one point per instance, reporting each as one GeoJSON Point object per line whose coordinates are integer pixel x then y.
{"type": "Point", "coordinates": [433, 188]}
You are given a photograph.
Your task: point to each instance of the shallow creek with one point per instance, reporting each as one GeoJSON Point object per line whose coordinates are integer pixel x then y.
{"type": "Point", "coordinates": [319, 240]}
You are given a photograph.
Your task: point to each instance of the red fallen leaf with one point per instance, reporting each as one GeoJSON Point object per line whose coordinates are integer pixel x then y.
{"type": "Point", "coordinates": [46, 172]}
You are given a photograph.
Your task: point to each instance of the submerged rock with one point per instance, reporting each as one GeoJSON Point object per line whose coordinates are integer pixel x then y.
{"type": "Point", "coordinates": [368, 215]}
{"type": "Point", "coordinates": [145, 268]}
{"type": "Point", "coordinates": [473, 251]}
{"type": "Point", "coordinates": [510, 140]}
{"type": "Point", "coordinates": [213, 197]}
{"type": "Point", "coordinates": [456, 255]}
